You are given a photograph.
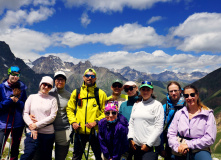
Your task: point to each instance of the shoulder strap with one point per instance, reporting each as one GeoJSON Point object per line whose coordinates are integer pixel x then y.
{"type": "Point", "coordinates": [96, 93]}
{"type": "Point", "coordinates": [76, 102]}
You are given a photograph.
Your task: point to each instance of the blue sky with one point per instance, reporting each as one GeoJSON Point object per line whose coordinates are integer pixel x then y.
{"type": "Point", "coordinates": [147, 35]}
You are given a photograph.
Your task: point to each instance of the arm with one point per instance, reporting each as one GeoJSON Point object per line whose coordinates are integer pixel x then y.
{"type": "Point", "coordinates": [102, 99]}
{"type": "Point", "coordinates": [49, 119]}
{"type": "Point", "coordinates": [71, 108]}
{"type": "Point", "coordinates": [21, 101]}
{"type": "Point", "coordinates": [158, 126]}
{"type": "Point", "coordinates": [26, 111]}
{"type": "Point", "coordinates": [162, 136]}
{"type": "Point", "coordinates": [131, 124]}
{"type": "Point", "coordinates": [4, 102]}
{"type": "Point", "coordinates": [208, 137]}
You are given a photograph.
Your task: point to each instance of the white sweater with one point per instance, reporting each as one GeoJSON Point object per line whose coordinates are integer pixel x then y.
{"type": "Point", "coordinates": [146, 122]}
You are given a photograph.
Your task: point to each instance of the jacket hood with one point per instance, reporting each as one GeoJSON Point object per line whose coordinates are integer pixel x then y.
{"type": "Point", "coordinates": [22, 85]}
{"type": "Point", "coordinates": [202, 112]}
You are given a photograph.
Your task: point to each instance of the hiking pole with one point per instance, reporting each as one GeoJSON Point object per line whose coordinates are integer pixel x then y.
{"type": "Point", "coordinates": [89, 144]}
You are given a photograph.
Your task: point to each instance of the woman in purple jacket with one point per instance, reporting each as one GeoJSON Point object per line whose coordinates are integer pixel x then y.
{"type": "Point", "coordinates": [195, 125]}
{"type": "Point", "coordinates": [113, 131]}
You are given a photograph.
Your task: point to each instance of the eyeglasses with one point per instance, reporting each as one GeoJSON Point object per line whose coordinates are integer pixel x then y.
{"type": "Point", "coordinates": [114, 113]}
{"type": "Point", "coordinates": [129, 88]}
{"type": "Point", "coordinates": [15, 74]}
{"type": "Point", "coordinates": [88, 75]}
{"type": "Point", "coordinates": [117, 85]}
{"type": "Point", "coordinates": [173, 91]}
{"type": "Point", "coordinates": [48, 85]}
{"type": "Point", "coordinates": [191, 95]}
{"type": "Point", "coordinates": [60, 80]}
{"type": "Point", "coordinates": [146, 82]}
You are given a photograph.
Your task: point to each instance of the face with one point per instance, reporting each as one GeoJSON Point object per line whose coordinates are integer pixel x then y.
{"type": "Point", "coordinates": [13, 77]}
{"type": "Point", "coordinates": [131, 90]}
{"type": "Point", "coordinates": [146, 92]}
{"type": "Point", "coordinates": [117, 88]}
{"type": "Point", "coordinates": [174, 92]}
{"type": "Point", "coordinates": [45, 88]}
{"type": "Point", "coordinates": [89, 79]}
{"type": "Point", "coordinates": [111, 115]}
{"type": "Point", "coordinates": [59, 82]}
{"type": "Point", "coordinates": [191, 97]}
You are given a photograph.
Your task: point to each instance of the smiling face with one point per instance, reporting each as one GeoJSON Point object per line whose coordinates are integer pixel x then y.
{"type": "Point", "coordinates": [191, 97]}
{"type": "Point", "coordinates": [116, 88]}
{"type": "Point", "coordinates": [45, 88]}
{"type": "Point", "coordinates": [131, 90]}
{"type": "Point", "coordinates": [146, 93]}
{"type": "Point", "coordinates": [174, 93]}
{"type": "Point", "coordinates": [14, 77]}
{"type": "Point", "coordinates": [111, 115]}
{"type": "Point", "coordinates": [59, 82]}
{"type": "Point", "coordinates": [89, 79]}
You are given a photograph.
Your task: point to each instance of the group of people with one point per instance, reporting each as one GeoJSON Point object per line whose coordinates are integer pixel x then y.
{"type": "Point", "coordinates": [133, 126]}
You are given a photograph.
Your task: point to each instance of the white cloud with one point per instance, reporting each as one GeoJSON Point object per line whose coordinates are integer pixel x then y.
{"type": "Point", "coordinates": [112, 5]}
{"type": "Point", "coordinates": [85, 20]}
{"type": "Point", "coordinates": [201, 32]}
{"type": "Point", "coordinates": [44, 2]}
{"type": "Point", "coordinates": [157, 61]}
{"type": "Point", "coordinates": [129, 35]}
{"type": "Point", "coordinates": [26, 43]}
{"type": "Point", "coordinates": [154, 19]}
{"type": "Point", "coordinates": [65, 57]}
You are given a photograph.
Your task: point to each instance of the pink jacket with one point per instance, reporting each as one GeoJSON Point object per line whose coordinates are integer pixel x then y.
{"type": "Point", "coordinates": [44, 108]}
{"type": "Point", "coordinates": [201, 128]}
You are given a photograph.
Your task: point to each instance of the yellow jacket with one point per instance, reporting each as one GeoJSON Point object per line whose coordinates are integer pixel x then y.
{"type": "Point", "coordinates": [89, 111]}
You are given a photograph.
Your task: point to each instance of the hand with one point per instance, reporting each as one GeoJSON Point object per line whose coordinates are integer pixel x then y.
{"type": "Point", "coordinates": [32, 126]}
{"type": "Point", "coordinates": [33, 118]}
{"type": "Point", "coordinates": [183, 149]}
{"type": "Point", "coordinates": [75, 126]}
{"type": "Point", "coordinates": [14, 99]}
{"type": "Point", "coordinates": [34, 134]}
{"type": "Point", "coordinates": [145, 148]}
{"type": "Point", "coordinates": [91, 125]}
{"type": "Point", "coordinates": [163, 153]}
{"type": "Point", "coordinates": [133, 145]}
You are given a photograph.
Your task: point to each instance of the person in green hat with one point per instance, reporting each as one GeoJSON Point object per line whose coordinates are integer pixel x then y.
{"type": "Point", "coordinates": [117, 88]}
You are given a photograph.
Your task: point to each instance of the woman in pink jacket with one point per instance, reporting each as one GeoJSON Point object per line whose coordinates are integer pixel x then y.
{"type": "Point", "coordinates": [195, 126]}
{"type": "Point", "coordinates": [41, 132]}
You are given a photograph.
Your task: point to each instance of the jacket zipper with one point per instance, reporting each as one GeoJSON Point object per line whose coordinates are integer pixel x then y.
{"type": "Point", "coordinates": [86, 111]}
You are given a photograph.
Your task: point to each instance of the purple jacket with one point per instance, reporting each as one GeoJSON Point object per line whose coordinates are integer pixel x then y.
{"type": "Point", "coordinates": [113, 137]}
{"type": "Point", "coordinates": [201, 128]}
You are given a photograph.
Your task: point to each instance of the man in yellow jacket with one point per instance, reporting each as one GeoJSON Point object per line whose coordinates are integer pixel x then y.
{"type": "Point", "coordinates": [85, 114]}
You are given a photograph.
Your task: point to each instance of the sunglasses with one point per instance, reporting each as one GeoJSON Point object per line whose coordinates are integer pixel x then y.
{"type": "Point", "coordinates": [48, 85]}
{"type": "Point", "coordinates": [129, 88]}
{"type": "Point", "coordinates": [191, 95]}
{"type": "Point", "coordinates": [146, 82]}
{"type": "Point", "coordinates": [88, 75]}
{"type": "Point", "coordinates": [117, 85]}
{"type": "Point", "coordinates": [114, 113]}
{"type": "Point", "coordinates": [14, 74]}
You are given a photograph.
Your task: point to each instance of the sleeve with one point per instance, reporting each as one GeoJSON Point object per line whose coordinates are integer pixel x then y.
{"type": "Point", "coordinates": [208, 137]}
{"type": "Point", "coordinates": [101, 137]}
{"type": "Point", "coordinates": [172, 132]}
{"type": "Point", "coordinates": [71, 108]}
{"type": "Point", "coordinates": [22, 100]}
{"type": "Point", "coordinates": [26, 111]}
{"type": "Point", "coordinates": [4, 102]}
{"type": "Point", "coordinates": [162, 136]}
{"type": "Point", "coordinates": [49, 119]}
{"type": "Point", "coordinates": [102, 99]}
{"type": "Point", "coordinates": [131, 123]}
{"type": "Point", "coordinates": [158, 126]}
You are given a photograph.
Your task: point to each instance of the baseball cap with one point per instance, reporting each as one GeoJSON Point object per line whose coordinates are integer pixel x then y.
{"type": "Point", "coordinates": [60, 73]}
{"type": "Point", "coordinates": [90, 70]}
{"type": "Point", "coordinates": [146, 84]}
{"type": "Point", "coordinates": [13, 69]}
{"type": "Point", "coordinates": [117, 81]}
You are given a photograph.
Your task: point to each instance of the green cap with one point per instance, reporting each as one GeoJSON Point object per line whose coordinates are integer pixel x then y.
{"type": "Point", "coordinates": [117, 81]}
{"type": "Point", "coordinates": [90, 70]}
{"type": "Point", "coordinates": [146, 84]}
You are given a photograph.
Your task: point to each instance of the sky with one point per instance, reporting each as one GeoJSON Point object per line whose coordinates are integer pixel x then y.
{"type": "Point", "coordinates": [147, 35]}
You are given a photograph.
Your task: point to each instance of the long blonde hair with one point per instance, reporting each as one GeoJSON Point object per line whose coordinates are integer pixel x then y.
{"type": "Point", "coordinates": [199, 103]}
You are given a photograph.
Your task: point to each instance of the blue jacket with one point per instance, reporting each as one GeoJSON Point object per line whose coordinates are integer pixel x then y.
{"type": "Point", "coordinates": [8, 107]}
{"type": "Point", "coordinates": [126, 107]}
{"type": "Point", "coordinates": [167, 117]}
{"type": "Point", "coordinates": [113, 137]}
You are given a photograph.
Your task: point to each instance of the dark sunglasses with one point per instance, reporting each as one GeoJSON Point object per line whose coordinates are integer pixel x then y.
{"type": "Point", "coordinates": [129, 88]}
{"type": "Point", "coordinates": [14, 74]}
{"type": "Point", "coordinates": [191, 95]}
{"type": "Point", "coordinates": [48, 85]}
{"type": "Point", "coordinates": [117, 85]}
{"type": "Point", "coordinates": [146, 82]}
{"type": "Point", "coordinates": [114, 113]}
{"type": "Point", "coordinates": [88, 75]}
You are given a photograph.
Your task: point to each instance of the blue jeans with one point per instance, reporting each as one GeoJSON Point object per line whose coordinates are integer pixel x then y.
{"type": "Point", "coordinates": [45, 144]}
{"type": "Point", "coordinates": [201, 155]}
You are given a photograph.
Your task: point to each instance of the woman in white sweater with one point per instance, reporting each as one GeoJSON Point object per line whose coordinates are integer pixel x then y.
{"type": "Point", "coordinates": [146, 124]}
{"type": "Point", "coordinates": [40, 133]}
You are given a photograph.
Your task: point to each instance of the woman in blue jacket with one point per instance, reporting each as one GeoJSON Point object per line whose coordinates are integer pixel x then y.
{"type": "Point", "coordinates": [113, 131]}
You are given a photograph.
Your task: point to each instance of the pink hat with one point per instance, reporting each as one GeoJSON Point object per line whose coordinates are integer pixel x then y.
{"type": "Point", "coordinates": [111, 106]}
{"type": "Point", "coordinates": [46, 79]}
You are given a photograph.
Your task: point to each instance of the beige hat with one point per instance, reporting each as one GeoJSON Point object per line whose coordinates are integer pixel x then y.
{"type": "Point", "coordinates": [46, 79]}
{"type": "Point", "coordinates": [130, 83]}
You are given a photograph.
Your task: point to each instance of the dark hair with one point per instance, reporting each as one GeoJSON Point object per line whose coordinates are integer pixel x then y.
{"type": "Point", "coordinates": [16, 85]}
{"type": "Point", "coordinates": [173, 82]}
{"type": "Point", "coordinates": [199, 103]}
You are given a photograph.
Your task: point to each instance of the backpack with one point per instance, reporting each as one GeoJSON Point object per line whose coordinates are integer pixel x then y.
{"type": "Point", "coordinates": [96, 94]}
